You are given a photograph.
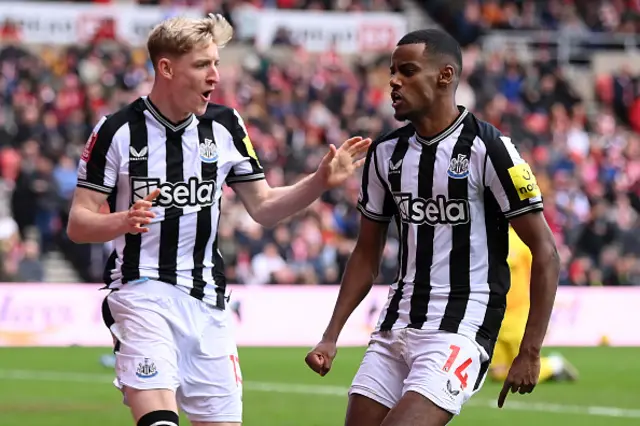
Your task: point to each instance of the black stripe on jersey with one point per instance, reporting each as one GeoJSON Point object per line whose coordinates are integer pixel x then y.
{"type": "Point", "coordinates": [368, 163]}
{"type": "Point", "coordinates": [139, 168]}
{"type": "Point", "coordinates": [388, 205]}
{"type": "Point", "coordinates": [110, 264]}
{"type": "Point", "coordinates": [97, 162]}
{"type": "Point", "coordinates": [209, 172]}
{"type": "Point", "coordinates": [239, 135]}
{"type": "Point", "coordinates": [228, 118]}
{"type": "Point", "coordinates": [501, 160]}
{"type": "Point", "coordinates": [460, 254]}
{"type": "Point", "coordinates": [218, 267]}
{"type": "Point", "coordinates": [170, 226]}
{"type": "Point", "coordinates": [395, 183]}
{"type": "Point", "coordinates": [499, 276]}
{"type": "Point", "coordinates": [424, 242]}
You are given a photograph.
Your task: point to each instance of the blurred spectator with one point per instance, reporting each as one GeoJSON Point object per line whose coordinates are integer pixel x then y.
{"type": "Point", "coordinates": [30, 268]}
{"type": "Point", "coordinates": [341, 5]}
{"type": "Point", "coordinates": [588, 165]}
{"type": "Point", "coordinates": [469, 20]}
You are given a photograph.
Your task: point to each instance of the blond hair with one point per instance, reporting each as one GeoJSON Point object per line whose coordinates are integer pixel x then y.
{"type": "Point", "coordinates": [180, 35]}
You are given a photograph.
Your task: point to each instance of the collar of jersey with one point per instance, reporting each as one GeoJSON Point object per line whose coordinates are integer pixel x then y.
{"type": "Point", "coordinates": [446, 132]}
{"type": "Point", "coordinates": [164, 121]}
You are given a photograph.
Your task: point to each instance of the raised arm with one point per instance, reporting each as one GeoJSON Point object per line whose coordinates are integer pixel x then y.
{"type": "Point", "coordinates": [268, 205]}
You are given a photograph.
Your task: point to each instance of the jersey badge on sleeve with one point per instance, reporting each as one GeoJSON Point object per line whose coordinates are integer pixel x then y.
{"type": "Point", "coordinates": [246, 140]}
{"type": "Point", "coordinates": [250, 150]}
{"type": "Point", "coordinates": [88, 147]}
{"type": "Point", "coordinates": [524, 181]}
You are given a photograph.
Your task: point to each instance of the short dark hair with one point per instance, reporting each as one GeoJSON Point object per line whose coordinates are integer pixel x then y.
{"type": "Point", "coordinates": [436, 42]}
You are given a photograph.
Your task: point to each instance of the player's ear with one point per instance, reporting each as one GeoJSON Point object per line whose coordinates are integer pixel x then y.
{"type": "Point", "coordinates": [165, 68]}
{"type": "Point", "coordinates": [447, 76]}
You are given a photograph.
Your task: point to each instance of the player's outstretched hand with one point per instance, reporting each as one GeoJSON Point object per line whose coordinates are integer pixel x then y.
{"type": "Point", "coordinates": [139, 214]}
{"type": "Point", "coordinates": [338, 164]}
{"type": "Point", "coordinates": [319, 359]}
{"type": "Point", "coordinates": [523, 376]}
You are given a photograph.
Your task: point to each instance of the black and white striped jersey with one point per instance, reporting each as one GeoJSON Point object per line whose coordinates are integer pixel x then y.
{"type": "Point", "coordinates": [134, 151]}
{"type": "Point", "coordinates": [451, 197]}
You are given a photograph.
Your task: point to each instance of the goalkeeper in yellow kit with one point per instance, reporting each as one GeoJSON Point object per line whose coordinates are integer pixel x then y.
{"type": "Point", "coordinates": [553, 367]}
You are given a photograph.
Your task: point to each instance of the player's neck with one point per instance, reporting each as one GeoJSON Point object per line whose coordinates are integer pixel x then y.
{"type": "Point", "coordinates": [432, 124]}
{"type": "Point", "coordinates": [166, 107]}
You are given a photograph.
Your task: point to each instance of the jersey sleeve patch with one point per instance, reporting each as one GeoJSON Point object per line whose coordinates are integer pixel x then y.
{"type": "Point", "coordinates": [250, 150]}
{"type": "Point", "coordinates": [88, 147]}
{"type": "Point", "coordinates": [524, 181]}
{"type": "Point", "coordinates": [246, 140]}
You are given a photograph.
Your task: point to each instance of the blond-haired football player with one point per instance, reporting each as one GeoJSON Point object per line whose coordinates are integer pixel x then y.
{"type": "Point", "coordinates": [552, 367]}
{"type": "Point", "coordinates": [161, 162]}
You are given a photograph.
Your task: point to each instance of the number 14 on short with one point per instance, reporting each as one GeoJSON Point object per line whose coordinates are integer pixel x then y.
{"type": "Point", "coordinates": [460, 369]}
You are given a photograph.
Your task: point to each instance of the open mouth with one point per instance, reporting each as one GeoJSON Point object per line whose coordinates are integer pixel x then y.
{"type": "Point", "coordinates": [396, 98]}
{"type": "Point", "coordinates": [206, 95]}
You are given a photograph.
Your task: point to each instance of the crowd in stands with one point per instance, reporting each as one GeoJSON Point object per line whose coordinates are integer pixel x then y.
{"type": "Point", "coordinates": [336, 5]}
{"type": "Point", "coordinates": [588, 166]}
{"type": "Point", "coordinates": [470, 19]}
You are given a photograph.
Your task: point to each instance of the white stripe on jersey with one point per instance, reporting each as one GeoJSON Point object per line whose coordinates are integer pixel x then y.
{"type": "Point", "coordinates": [410, 163]}
{"type": "Point", "coordinates": [442, 239]}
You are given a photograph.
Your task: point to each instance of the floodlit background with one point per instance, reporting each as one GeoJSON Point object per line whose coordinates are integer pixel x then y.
{"type": "Point", "coordinates": [559, 76]}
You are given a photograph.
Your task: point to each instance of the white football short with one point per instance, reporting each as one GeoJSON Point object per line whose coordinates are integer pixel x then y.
{"type": "Point", "coordinates": [166, 339]}
{"type": "Point", "coordinates": [443, 367]}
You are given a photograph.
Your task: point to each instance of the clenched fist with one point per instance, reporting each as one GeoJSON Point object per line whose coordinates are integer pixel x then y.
{"type": "Point", "coordinates": [319, 359]}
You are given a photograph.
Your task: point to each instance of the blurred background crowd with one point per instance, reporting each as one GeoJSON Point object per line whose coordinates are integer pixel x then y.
{"type": "Point", "coordinates": [585, 152]}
